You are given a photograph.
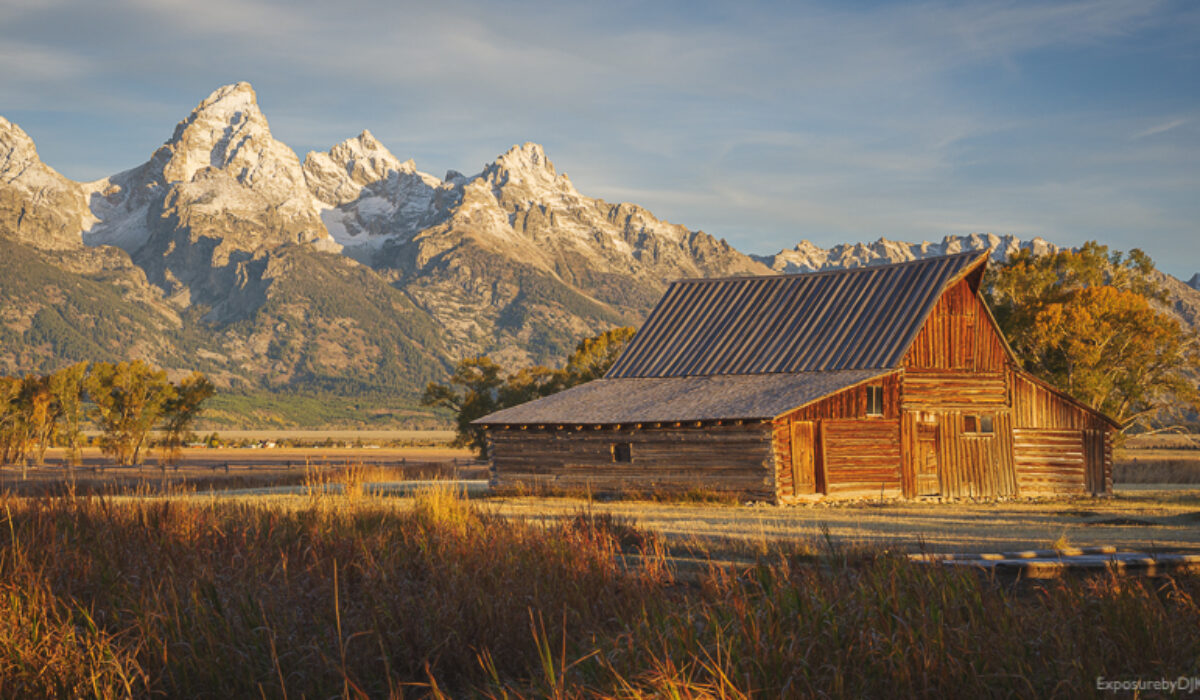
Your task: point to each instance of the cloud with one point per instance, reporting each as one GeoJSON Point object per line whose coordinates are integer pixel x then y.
{"type": "Point", "coordinates": [1161, 128]}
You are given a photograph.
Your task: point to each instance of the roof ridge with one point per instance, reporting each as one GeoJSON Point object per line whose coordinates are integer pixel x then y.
{"type": "Point", "coordinates": [835, 271]}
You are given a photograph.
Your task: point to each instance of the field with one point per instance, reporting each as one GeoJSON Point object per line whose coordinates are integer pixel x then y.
{"type": "Point", "coordinates": [348, 595]}
{"type": "Point", "coordinates": [240, 468]}
{"type": "Point", "coordinates": [165, 587]}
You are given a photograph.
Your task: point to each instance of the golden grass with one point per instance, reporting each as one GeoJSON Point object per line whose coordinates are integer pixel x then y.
{"type": "Point", "coordinates": [346, 595]}
{"type": "Point", "coordinates": [1156, 466]}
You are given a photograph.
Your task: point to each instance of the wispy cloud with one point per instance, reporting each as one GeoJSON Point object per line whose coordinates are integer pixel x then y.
{"type": "Point", "coordinates": [1160, 128]}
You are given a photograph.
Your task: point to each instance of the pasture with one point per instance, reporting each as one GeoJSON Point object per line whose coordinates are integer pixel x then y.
{"type": "Point", "coordinates": [175, 583]}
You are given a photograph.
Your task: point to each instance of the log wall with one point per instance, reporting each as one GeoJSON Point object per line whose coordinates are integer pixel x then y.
{"type": "Point", "coordinates": [861, 457]}
{"type": "Point", "coordinates": [1060, 447]}
{"type": "Point", "coordinates": [730, 458]}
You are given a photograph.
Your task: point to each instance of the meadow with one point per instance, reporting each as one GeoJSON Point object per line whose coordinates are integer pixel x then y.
{"type": "Point", "coordinates": [350, 595]}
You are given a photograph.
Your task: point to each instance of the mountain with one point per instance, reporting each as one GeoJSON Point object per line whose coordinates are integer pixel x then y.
{"type": "Point", "coordinates": [807, 257]}
{"type": "Point", "coordinates": [350, 274]}
{"type": "Point", "coordinates": [346, 281]}
{"type": "Point", "coordinates": [1194, 282]}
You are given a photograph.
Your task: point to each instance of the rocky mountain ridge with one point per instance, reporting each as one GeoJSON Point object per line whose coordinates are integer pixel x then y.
{"type": "Point", "coordinates": [351, 271]}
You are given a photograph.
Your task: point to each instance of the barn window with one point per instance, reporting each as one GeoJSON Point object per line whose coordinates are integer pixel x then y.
{"type": "Point", "coordinates": [622, 452]}
{"type": "Point", "coordinates": [874, 401]}
{"type": "Point", "coordinates": [980, 425]}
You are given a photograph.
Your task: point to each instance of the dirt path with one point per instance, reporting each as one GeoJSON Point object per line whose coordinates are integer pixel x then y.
{"type": "Point", "coordinates": [1141, 520]}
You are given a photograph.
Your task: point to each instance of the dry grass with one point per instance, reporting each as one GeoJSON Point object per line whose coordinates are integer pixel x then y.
{"type": "Point", "coordinates": [349, 596]}
{"type": "Point", "coordinates": [1163, 441]}
{"type": "Point", "coordinates": [236, 468]}
{"type": "Point", "coordinates": [1156, 466]}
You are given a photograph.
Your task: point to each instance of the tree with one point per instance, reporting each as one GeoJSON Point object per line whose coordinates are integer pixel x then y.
{"type": "Point", "coordinates": [12, 440]}
{"type": "Point", "coordinates": [37, 410]}
{"type": "Point", "coordinates": [66, 386]}
{"type": "Point", "coordinates": [479, 386]}
{"type": "Point", "coordinates": [130, 398]}
{"type": "Point", "coordinates": [1087, 322]}
{"type": "Point", "coordinates": [473, 393]}
{"type": "Point", "coordinates": [180, 410]}
{"type": "Point", "coordinates": [593, 356]}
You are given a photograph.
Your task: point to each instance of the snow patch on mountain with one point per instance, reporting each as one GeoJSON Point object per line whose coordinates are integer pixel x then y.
{"type": "Point", "coordinates": [809, 257]}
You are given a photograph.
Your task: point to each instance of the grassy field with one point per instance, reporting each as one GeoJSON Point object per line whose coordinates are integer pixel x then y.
{"type": "Point", "coordinates": [353, 596]}
{"type": "Point", "coordinates": [1157, 466]}
{"type": "Point", "coordinates": [237, 468]}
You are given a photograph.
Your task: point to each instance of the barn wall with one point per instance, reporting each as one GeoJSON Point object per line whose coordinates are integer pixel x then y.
{"type": "Point", "coordinates": [975, 465]}
{"type": "Point", "coordinates": [971, 465]}
{"type": "Point", "coordinates": [851, 405]}
{"type": "Point", "coordinates": [861, 457]}
{"type": "Point", "coordinates": [1059, 446]}
{"type": "Point", "coordinates": [958, 335]}
{"type": "Point", "coordinates": [945, 390]}
{"type": "Point", "coordinates": [736, 458]}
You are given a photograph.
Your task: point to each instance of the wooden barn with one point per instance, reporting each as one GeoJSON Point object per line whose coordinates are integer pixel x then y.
{"type": "Point", "coordinates": [890, 381]}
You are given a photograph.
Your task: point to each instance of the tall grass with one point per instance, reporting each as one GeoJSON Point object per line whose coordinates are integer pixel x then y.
{"type": "Point", "coordinates": [349, 597]}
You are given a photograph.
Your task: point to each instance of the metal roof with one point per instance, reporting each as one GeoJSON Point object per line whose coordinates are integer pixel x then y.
{"type": "Point", "coordinates": [662, 399]}
{"type": "Point", "coordinates": [862, 318]}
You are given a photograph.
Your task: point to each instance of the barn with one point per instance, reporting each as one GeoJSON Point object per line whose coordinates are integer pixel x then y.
{"type": "Point", "coordinates": [883, 381]}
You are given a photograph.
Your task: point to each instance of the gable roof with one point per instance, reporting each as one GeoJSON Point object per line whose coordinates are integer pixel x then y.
{"type": "Point", "coordinates": [861, 318]}
{"type": "Point", "coordinates": [663, 399]}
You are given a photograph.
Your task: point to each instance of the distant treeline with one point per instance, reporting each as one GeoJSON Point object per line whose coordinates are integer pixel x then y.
{"type": "Point", "coordinates": [125, 401]}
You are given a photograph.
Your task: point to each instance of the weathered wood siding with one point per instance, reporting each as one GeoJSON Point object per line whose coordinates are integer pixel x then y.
{"type": "Point", "coordinates": [850, 404]}
{"type": "Point", "coordinates": [862, 457]}
{"type": "Point", "coordinates": [958, 335]}
{"type": "Point", "coordinates": [943, 390]}
{"type": "Point", "coordinates": [733, 458]}
{"type": "Point", "coordinates": [1059, 446]}
{"type": "Point", "coordinates": [976, 465]}
{"type": "Point", "coordinates": [969, 465]}
{"type": "Point", "coordinates": [1049, 461]}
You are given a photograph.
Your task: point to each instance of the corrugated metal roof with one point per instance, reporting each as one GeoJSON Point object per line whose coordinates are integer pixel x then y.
{"type": "Point", "coordinates": [863, 318]}
{"type": "Point", "coordinates": [661, 399]}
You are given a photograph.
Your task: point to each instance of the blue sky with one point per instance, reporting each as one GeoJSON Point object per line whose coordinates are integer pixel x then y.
{"type": "Point", "coordinates": [763, 123]}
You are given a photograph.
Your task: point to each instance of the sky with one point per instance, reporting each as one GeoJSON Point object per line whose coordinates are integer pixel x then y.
{"type": "Point", "coordinates": [762, 123]}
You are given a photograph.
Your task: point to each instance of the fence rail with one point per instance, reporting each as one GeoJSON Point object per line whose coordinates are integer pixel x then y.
{"type": "Point", "coordinates": [402, 465]}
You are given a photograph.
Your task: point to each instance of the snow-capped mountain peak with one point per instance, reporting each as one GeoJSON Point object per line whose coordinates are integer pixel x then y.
{"type": "Point", "coordinates": [527, 167]}
{"type": "Point", "coordinates": [809, 257]}
{"type": "Point", "coordinates": [339, 175]}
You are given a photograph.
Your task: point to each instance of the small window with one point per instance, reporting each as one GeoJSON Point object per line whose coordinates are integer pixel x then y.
{"type": "Point", "coordinates": [874, 401]}
{"type": "Point", "coordinates": [622, 452]}
{"type": "Point", "coordinates": [979, 425]}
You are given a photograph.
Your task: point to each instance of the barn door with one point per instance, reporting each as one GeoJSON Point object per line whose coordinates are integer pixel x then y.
{"type": "Point", "coordinates": [804, 459]}
{"type": "Point", "coordinates": [1093, 455]}
{"type": "Point", "coordinates": [926, 462]}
